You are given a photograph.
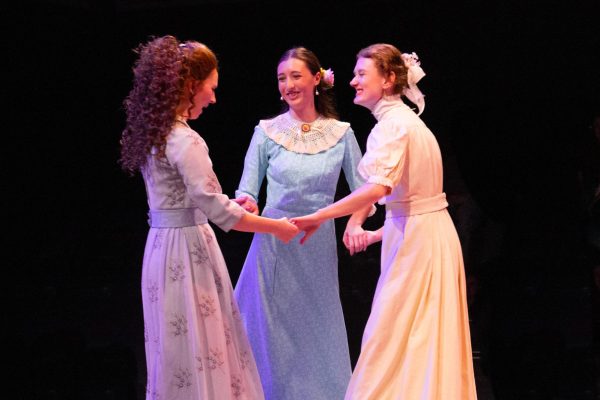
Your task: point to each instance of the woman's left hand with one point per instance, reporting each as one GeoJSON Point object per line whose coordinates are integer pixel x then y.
{"type": "Point", "coordinates": [355, 239]}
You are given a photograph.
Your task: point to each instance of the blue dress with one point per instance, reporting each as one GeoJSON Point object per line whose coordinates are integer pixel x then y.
{"type": "Point", "coordinates": [288, 295]}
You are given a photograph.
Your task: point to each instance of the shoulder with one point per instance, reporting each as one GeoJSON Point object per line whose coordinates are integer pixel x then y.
{"type": "Point", "coordinates": [267, 124]}
{"type": "Point", "coordinates": [399, 121]}
{"type": "Point", "coordinates": [337, 124]}
{"type": "Point", "coordinates": [339, 129]}
{"type": "Point", "coordinates": [259, 136]}
{"type": "Point", "coordinates": [183, 137]}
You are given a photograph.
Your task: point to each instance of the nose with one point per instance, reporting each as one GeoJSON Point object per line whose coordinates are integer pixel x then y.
{"type": "Point", "coordinates": [213, 98]}
{"type": "Point", "coordinates": [289, 84]}
{"type": "Point", "coordinates": [354, 82]}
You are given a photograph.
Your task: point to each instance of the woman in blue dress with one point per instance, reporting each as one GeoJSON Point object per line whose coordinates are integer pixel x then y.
{"type": "Point", "coordinates": [289, 294]}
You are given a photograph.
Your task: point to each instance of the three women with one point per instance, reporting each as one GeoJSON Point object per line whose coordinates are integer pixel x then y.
{"type": "Point", "coordinates": [416, 343]}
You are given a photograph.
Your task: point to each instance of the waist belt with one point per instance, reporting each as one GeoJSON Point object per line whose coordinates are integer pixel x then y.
{"type": "Point", "coordinates": [176, 218]}
{"type": "Point", "coordinates": [416, 207]}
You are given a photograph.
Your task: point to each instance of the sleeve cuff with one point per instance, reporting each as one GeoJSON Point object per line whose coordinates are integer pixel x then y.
{"type": "Point", "coordinates": [233, 218]}
{"type": "Point", "coordinates": [380, 180]}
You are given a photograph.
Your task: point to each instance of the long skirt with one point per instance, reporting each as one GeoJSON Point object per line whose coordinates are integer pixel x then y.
{"type": "Point", "coordinates": [290, 303]}
{"type": "Point", "coordinates": [196, 347]}
{"type": "Point", "coordinates": [416, 345]}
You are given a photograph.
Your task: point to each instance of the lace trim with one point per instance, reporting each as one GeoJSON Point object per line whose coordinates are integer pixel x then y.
{"type": "Point", "coordinates": [313, 138]}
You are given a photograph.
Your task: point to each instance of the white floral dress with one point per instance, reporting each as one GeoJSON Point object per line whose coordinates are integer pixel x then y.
{"type": "Point", "coordinates": [196, 347]}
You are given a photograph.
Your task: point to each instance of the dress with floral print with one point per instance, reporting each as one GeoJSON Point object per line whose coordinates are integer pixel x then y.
{"type": "Point", "coordinates": [196, 346]}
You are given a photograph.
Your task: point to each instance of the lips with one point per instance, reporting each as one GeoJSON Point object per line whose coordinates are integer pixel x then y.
{"type": "Point", "coordinates": [292, 95]}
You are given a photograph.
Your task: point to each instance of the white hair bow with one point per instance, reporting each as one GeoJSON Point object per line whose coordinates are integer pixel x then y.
{"type": "Point", "coordinates": [415, 73]}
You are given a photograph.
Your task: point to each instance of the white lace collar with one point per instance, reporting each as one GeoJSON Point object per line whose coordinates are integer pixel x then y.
{"type": "Point", "coordinates": [306, 138]}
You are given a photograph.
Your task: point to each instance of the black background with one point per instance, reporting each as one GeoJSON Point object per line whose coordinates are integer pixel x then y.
{"type": "Point", "coordinates": [511, 90]}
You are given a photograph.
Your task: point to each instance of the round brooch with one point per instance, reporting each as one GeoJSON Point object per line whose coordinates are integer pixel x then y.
{"type": "Point", "coordinates": [305, 128]}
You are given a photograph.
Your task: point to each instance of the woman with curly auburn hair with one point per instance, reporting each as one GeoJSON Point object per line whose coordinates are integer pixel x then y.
{"type": "Point", "coordinates": [416, 344]}
{"type": "Point", "coordinates": [196, 347]}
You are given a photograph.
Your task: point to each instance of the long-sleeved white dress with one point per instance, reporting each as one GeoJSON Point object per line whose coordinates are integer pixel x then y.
{"type": "Point", "coordinates": [416, 344]}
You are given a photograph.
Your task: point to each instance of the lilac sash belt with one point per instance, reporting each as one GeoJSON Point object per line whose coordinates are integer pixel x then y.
{"type": "Point", "coordinates": [176, 218]}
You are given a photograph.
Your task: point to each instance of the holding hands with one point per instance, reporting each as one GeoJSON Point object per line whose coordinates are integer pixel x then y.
{"type": "Point", "coordinates": [285, 230]}
{"type": "Point", "coordinates": [247, 204]}
{"type": "Point", "coordinates": [308, 223]}
{"type": "Point", "coordinates": [356, 239]}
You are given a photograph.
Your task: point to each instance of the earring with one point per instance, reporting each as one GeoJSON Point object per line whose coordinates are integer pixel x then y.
{"type": "Point", "coordinates": [316, 92]}
{"type": "Point", "coordinates": [281, 98]}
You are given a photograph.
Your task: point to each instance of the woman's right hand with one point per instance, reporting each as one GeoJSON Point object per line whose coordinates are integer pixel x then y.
{"type": "Point", "coordinates": [285, 231]}
{"type": "Point", "coordinates": [247, 204]}
{"type": "Point", "coordinates": [309, 224]}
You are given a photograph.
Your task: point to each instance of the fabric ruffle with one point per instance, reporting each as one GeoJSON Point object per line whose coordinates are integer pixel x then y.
{"type": "Point", "coordinates": [317, 136]}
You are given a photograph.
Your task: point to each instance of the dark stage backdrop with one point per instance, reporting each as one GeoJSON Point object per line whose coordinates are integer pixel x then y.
{"type": "Point", "coordinates": [511, 90]}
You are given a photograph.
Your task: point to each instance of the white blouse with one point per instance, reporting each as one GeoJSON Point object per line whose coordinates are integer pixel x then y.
{"type": "Point", "coordinates": [402, 154]}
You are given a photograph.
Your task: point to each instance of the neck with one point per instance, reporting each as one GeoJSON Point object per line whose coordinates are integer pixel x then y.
{"type": "Point", "coordinates": [308, 114]}
{"type": "Point", "coordinates": [371, 106]}
{"type": "Point", "coordinates": [182, 111]}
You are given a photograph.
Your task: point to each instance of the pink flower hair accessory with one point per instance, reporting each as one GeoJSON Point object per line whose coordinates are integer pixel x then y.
{"type": "Point", "coordinates": [327, 77]}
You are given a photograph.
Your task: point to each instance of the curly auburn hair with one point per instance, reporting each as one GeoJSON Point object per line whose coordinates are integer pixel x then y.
{"type": "Point", "coordinates": [163, 67]}
{"type": "Point", "coordinates": [325, 101]}
{"type": "Point", "coordinates": [388, 59]}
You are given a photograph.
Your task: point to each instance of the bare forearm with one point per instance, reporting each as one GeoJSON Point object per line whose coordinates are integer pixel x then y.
{"type": "Point", "coordinates": [377, 236]}
{"type": "Point", "coordinates": [359, 217]}
{"type": "Point", "coordinates": [358, 202]}
{"type": "Point", "coordinates": [253, 223]}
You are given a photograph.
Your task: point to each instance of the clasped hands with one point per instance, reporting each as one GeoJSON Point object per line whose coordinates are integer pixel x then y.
{"type": "Point", "coordinates": [355, 238]}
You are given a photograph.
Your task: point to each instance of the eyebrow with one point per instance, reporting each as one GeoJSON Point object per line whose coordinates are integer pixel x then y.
{"type": "Point", "coordinates": [291, 72]}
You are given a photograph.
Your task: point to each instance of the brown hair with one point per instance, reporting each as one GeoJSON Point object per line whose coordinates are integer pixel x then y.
{"type": "Point", "coordinates": [160, 72]}
{"type": "Point", "coordinates": [388, 59]}
{"type": "Point", "coordinates": [325, 101]}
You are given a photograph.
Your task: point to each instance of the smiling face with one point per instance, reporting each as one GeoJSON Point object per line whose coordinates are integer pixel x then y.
{"type": "Point", "coordinates": [204, 94]}
{"type": "Point", "coordinates": [368, 82]}
{"type": "Point", "coordinates": [297, 85]}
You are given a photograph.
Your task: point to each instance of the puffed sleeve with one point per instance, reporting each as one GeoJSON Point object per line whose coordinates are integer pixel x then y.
{"type": "Point", "coordinates": [384, 159]}
{"type": "Point", "coordinates": [188, 153]}
{"type": "Point", "coordinates": [255, 166]}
